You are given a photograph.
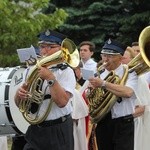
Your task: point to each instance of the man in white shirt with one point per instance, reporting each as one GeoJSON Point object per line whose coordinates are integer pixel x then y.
{"type": "Point", "coordinates": [56, 131]}
{"type": "Point", "coordinates": [86, 49]}
{"type": "Point", "coordinates": [116, 130]}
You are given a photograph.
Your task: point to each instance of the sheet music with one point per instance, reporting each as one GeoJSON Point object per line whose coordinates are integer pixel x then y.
{"type": "Point", "coordinates": [26, 54]}
{"type": "Point", "coordinates": [86, 74]}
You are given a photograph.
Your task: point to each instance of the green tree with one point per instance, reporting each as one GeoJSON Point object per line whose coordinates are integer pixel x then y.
{"type": "Point", "coordinates": [98, 20]}
{"type": "Point", "coordinates": [21, 21]}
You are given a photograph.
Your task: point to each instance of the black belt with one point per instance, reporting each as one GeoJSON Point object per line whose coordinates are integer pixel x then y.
{"type": "Point", "coordinates": [54, 122]}
{"type": "Point", "coordinates": [128, 118]}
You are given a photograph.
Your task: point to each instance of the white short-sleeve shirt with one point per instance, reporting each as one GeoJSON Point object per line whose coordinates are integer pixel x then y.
{"type": "Point", "coordinates": [66, 79]}
{"type": "Point", "coordinates": [127, 105]}
{"type": "Point", "coordinates": [147, 76]}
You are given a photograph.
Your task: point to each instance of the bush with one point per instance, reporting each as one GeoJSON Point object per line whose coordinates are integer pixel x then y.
{"type": "Point", "coordinates": [9, 60]}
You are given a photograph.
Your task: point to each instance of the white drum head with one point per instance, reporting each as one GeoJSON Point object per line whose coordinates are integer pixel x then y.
{"type": "Point", "coordinates": [17, 116]}
{"type": "Point", "coordinates": [5, 73]}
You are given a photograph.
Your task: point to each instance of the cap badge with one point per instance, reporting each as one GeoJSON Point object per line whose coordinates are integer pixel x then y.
{"type": "Point", "coordinates": [109, 41]}
{"type": "Point", "coordinates": [47, 33]}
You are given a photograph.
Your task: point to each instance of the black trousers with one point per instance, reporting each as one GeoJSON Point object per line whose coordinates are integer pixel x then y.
{"type": "Point", "coordinates": [18, 142]}
{"type": "Point", "coordinates": [115, 134]}
{"type": "Point", "coordinates": [53, 137]}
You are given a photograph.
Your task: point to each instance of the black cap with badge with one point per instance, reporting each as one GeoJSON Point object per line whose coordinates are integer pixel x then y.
{"type": "Point", "coordinates": [51, 37]}
{"type": "Point", "coordinates": [113, 47]}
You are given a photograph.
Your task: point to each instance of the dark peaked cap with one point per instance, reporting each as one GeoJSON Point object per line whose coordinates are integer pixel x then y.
{"type": "Point", "coordinates": [51, 37]}
{"type": "Point", "coordinates": [113, 47]}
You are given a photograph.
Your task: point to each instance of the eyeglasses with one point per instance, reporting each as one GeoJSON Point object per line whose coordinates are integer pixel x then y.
{"type": "Point", "coordinates": [48, 46]}
{"type": "Point", "coordinates": [108, 55]}
{"type": "Point", "coordinates": [137, 50]}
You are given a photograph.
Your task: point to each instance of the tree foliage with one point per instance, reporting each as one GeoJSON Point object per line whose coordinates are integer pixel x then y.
{"type": "Point", "coordinates": [21, 21]}
{"type": "Point", "coordinates": [96, 20]}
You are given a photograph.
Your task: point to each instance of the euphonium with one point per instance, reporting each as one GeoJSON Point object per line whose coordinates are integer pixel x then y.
{"type": "Point", "coordinates": [68, 54]}
{"type": "Point", "coordinates": [101, 100]}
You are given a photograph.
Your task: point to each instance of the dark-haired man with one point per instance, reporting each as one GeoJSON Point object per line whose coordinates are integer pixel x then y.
{"type": "Point", "coordinates": [86, 49]}
{"type": "Point", "coordinates": [136, 48]}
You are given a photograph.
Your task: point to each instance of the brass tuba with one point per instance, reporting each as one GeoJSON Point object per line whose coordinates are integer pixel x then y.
{"type": "Point", "coordinates": [141, 63]}
{"type": "Point", "coordinates": [100, 100]}
{"type": "Point", "coordinates": [68, 54]}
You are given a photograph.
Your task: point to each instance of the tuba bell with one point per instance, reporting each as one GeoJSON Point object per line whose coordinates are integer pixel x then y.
{"type": "Point", "coordinates": [100, 100]}
{"type": "Point", "coordinates": [141, 63]}
{"type": "Point", "coordinates": [68, 54]}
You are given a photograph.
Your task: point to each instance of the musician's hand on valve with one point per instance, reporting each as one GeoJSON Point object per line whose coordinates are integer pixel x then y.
{"type": "Point", "coordinates": [45, 73]}
{"type": "Point", "coordinates": [22, 91]}
{"type": "Point", "coordinates": [96, 82]}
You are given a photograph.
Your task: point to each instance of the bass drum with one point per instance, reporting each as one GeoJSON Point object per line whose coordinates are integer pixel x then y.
{"type": "Point", "coordinates": [11, 119]}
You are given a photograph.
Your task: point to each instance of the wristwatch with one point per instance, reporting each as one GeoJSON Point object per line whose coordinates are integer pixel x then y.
{"type": "Point", "coordinates": [103, 84]}
{"type": "Point", "coordinates": [51, 82]}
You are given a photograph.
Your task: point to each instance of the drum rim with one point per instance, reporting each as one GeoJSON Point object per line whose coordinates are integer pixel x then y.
{"type": "Point", "coordinates": [13, 107]}
{"type": "Point", "coordinates": [7, 98]}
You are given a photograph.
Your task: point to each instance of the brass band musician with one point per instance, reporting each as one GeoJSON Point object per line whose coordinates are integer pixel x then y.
{"type": "Point", "coordinates": [115, 131]}
{"type": "Point", "coordinates": [56, 131]}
